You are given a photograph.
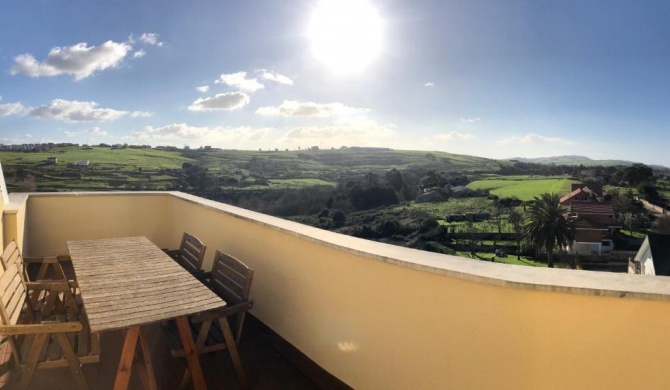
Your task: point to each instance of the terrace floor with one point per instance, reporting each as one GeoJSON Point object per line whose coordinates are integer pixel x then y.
{"type": "Point", "coordinates": [270, 362]}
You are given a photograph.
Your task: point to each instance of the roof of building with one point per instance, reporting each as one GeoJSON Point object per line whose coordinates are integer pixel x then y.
{"type": "Point", "coordinates": [660, 252]}
{"type": "Point", "coordinates": [580, 208]}
{"type": "Point", "coordinates": [596, 188]}
{"type": "Point", "coordinates": [569, 196]}
{"type": "Point", "coordinates": [595, 221]}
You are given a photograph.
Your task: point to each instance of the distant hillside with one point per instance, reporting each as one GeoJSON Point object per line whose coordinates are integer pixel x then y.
{"type": "Point", "coordinates": [152, 169]}
{"type": "Point", "coordinates": [574, 160]}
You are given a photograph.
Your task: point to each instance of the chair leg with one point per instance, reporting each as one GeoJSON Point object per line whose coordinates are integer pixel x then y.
{"type": "Point", "coordinates": [75, 365]}
{"type": "Point", "coordinates": [28, 369]}
{"type": "Point", "coordinates": [234, 355]}
{"type": "Point", "coordinates": [239, 323]}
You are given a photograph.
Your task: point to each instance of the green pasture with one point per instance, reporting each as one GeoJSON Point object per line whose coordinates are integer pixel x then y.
{"type": "Point", "coordinates": [508, 259]}
{"type": "Point", "coordinates": [523, 187]}
{"type": "Point", "coordinates": [299, 183]}
{"type": "Point", "coordinates": [126, 159]}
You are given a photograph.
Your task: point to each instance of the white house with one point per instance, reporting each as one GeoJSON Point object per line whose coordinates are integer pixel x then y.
{"type": "Point", "coordinates": [653, 257]}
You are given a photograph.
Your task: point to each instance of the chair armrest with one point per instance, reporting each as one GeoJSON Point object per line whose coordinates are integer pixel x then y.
{"type": "Point", "coordinates": [226, 311]}
{"type": "Point", "coordinates": [52, 285]}
{"type": "Point", "coordinates": [39, 260]}
{"type": "Point", "coordinates": [173, 253]}
{"type": "Point", "coordinates": [202, 276]}
{"type": "Point", "coordinates": [45, 327]}
{"type": "Point", "coordinates": [47, 259]}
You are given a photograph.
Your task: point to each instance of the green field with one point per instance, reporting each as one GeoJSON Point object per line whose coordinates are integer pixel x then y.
{"type": "Point", "coordinates": [523, 187]}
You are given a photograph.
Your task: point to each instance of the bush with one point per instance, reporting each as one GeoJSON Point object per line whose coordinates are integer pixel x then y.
{"type": "Point", "coordinates": [339, 218]}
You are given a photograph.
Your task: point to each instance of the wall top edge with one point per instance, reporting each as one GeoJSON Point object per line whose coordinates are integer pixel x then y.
{"type": "Point", "coordinates": [531, 278]}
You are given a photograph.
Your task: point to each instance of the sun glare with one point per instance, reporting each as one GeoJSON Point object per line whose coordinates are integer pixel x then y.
{"type": "Point", "coordinates": [345, 34]}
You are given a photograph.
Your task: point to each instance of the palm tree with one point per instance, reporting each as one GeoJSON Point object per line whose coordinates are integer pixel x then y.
{"type": "Point", "coordinates": [547, 228]}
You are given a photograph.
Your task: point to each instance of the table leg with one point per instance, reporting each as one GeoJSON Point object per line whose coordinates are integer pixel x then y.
{"type": "Point", "coordinates": [191, 354]}
{"type": "Point", "coordinates": [127, 356]}
{"type": "Point", "coordinates": [148, 363]}
{"type": "Point", "coordinates": [234, 354]}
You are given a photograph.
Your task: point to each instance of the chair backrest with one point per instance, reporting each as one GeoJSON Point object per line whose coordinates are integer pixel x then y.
{"type": "Point", "coordinates": [191, 252]}
{"type": "Point", "coordinates": [231, 278]}
{"type": "Point", "coordinates": [12, 295]}
{"type": "Point", "coordinates": [10, 256]}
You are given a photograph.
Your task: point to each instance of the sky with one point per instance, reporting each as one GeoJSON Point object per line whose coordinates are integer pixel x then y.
{"type": "Point", "coordinates": [491, 78]}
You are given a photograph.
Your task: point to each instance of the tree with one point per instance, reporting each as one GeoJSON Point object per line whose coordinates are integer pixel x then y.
{"type": "Point", "coordinates": [339, 218]}
{"type": "Point", "coordinates": [394, 179]}
{"type": "Point", "coordinates": [638, 173]}
{"type": "Point", "coordinates": [547, 228]}
{"type": "Point", "coordinates": [516, 220]}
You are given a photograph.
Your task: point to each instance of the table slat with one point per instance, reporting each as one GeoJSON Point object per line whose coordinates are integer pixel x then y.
{"type": "Point", "coordinates": [129, 281]}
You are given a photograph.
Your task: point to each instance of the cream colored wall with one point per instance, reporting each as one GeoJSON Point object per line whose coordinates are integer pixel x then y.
{"type": "Point", "coordinates": [380, 326]}
{"type": "Point", "coordinates": [52, 220]}
{"type": "Point", "coordinates": [377, 325]}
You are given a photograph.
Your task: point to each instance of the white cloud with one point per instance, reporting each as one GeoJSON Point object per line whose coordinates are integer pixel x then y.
{"type": "Point", "coordinates": [202, 88]}
{"type": "Point", "coordinates": [429, 84]}
{"type": "Point", "coordinates": [470, 120]}
{"type": "Point", "coordinates": [8, 109]}
{"type": "Point", "coordinates": [276, 77]}
{"type": "Point", "coordinates": [308, 109]}
{"type": "Point", "coordinates": [139, 54]}
{"type": "Point", "coordinates": [356, 133]}
{"type": "Point", "coordinates": [222, 101]}
{"type": "Point", "coordinates": [75, 111]}
{"type": "Point", "coordinates": [178, 133]}
{"type": "Point", "coordinates": [455, 136]}
{"type": "Point", "coordinates": [79, 60]}
{"type": "Point", "coordinates": [533, 139]}
{"type": "Point", "coordinates": [240, 80]}
{"type": "Point", "coordinates": [93, 131]}
{"type": "Point", "coordinates": [141, 114]}
{"type": "Point", "coordinates": [146, 38]}
{"type": "Point", "coordinates": [150, 39]}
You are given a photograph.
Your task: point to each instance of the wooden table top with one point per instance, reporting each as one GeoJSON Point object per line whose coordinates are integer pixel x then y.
{"type": "Point", "coordinates": [130, 281]}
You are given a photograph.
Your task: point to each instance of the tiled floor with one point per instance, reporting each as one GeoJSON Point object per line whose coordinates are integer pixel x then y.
{"type": "Point", "coordinates": [266, 367]}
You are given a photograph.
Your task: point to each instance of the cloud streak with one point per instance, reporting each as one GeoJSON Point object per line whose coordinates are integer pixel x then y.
{"type": "Point", "coordinates": [180, 133]}
{"type": "Point", "coordinates": [8, 109]}
{"type": "Point", "coordinates": [79, 61]}
{"type": "Point", "coordinates": [239, 80]}
{"type": "Point", "coordinates": [534, 139]}
{"type": "Point", "coordinates": [221, 102]}
{"type": "Point", "coordinates": [75, 111]}
{"type": "Point", "coordinates": [276, 77]}
{"type": "Point", "coordinates": [455, 136]}
{"type": "Point", "coordinates": [292, 108]}
{"type": "Point", "coordinates": [356, 133]}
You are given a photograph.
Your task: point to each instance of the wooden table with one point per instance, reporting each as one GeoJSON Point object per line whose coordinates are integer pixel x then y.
{"type": "Point", "coordinates": [129, 282]}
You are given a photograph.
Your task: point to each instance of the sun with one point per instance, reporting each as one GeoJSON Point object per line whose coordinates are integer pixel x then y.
{"type": "Point", "coordinates": [346, 35]}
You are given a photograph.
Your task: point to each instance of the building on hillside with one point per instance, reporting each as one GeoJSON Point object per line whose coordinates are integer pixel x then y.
{"type": "Point", "coordinates": [52, 160]}
{"type": "Point", "coordinates": [653, 257]}
{"type": "Point", "coordinates": [82, 163]}
{"type": "Point", "coordinates": [583, 193]}
{"type": "Point", "coordinates": [430, 196]}
{"type": "Point", "coordinates": [595, 225]}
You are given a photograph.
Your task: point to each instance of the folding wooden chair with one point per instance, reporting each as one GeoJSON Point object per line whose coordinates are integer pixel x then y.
{"type": "Point", "coordinates": [231, 280]}
{"type": "Point", "coordinates": [36, 345]}
{"type": "Point", "coordinates": [45, 297]}
{"type": "Point", "coordinates": [190, 254]}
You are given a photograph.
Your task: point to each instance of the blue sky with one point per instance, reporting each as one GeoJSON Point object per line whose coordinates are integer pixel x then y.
{"type": "Point", "coordinates": [490, 78]}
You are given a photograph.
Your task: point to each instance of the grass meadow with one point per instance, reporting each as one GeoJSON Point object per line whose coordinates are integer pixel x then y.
{"type": "Point", "coordinates": [523, 187]}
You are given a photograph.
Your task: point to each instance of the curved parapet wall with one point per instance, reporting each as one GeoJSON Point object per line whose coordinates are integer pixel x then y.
{"type": "Point", "coordinates": [381, 316]}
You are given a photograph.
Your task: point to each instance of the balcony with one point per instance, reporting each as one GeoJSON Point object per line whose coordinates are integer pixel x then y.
{"type": "Point", "coordinates": [379, 316]}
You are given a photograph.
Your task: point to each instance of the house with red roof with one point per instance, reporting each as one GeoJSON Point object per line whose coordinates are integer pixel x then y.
{"type": "Point", "coordinates": [595, 224]}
